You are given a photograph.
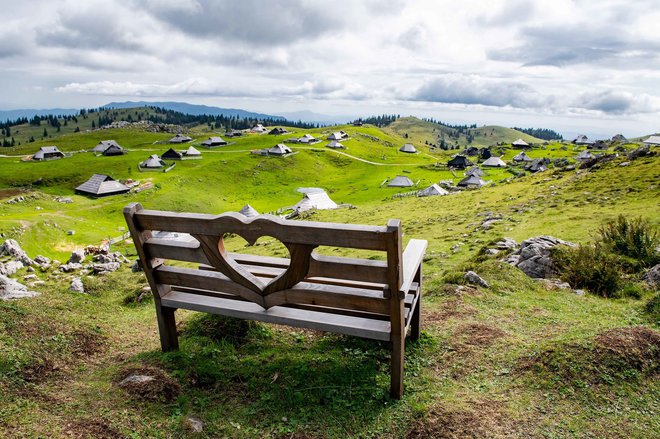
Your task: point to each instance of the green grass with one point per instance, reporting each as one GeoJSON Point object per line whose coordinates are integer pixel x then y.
{"type": "Point", "coordinates": [491, 362]}
{"type": "Point", "coordinates": [419, 132]}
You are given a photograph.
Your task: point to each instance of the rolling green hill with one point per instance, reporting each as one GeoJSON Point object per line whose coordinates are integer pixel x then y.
{"type": "Point", "coordinates": [420, 132]}
{"type": "Point", "coordinates": [517, 359]}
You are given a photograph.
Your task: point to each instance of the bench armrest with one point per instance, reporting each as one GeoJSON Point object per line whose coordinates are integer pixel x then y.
{"type": "Point", "coordinates": [412, 259]}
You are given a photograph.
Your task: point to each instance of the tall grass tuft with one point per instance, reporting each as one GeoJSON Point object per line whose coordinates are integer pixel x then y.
{"type": "Point", "coordinates": [589, 266]}
{"type": "Point", "coordinates": [633, 238]}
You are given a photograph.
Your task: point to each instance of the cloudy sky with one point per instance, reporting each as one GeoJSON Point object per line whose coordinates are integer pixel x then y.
{"type": "Point", "coordinates": [588, 66]}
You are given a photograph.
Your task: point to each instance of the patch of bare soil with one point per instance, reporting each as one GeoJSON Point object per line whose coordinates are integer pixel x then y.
{"type": "Point", "coordinates": [638, 347]}
{"type": "Point", "coordinates": [86, 342]}
{"type": "Point", "coordinates": [38, 370]}
{"type": "Point", "coordinates": [453, 308]}
{"type": "Point", "coordinates": [7, 193]}
{"type": "Point", "coordinates": [614, 354]}
{"type": "Point", "coordinates": [148, 382]}
{"type": "Point", "coordinates": [91, 428]}
{"type": "Point", "coordinates": [478, 334]}
{"type": "Point", "coordinates": [481, 420]}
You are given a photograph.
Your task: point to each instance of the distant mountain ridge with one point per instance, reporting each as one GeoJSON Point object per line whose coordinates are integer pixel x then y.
{"type": "Point", "coordinates": [193, 109]}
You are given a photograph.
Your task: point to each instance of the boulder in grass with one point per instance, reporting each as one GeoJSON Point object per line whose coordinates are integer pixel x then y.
{"type": "Point", "coordinates": [652, 277]}
{"type": "Point", "coordinates": [11, 248]}
{"type": "Point", "coordinates": [148, 383]}
{"type": "Point", "coordinates": [77, 257]}
{"type": "Point", "coordinates": [475, 279]}
{"type": "Point", "coordinates": [534, 256]}
{"type": "Point", "coordinates": [10, 289]}
{"type": "Point", "coordinates": [108, 267]}
{"type": "Point", "coordinates": [77, 285]}
{"type": "Point", "coordinates": [10, 267]}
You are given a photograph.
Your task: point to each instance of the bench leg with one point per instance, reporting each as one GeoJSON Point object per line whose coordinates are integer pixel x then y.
{"type": "Point", "coordinates": [396, 383]}
{"type": "Point", "coordinates": [416, 323]}
{"type": "Point", "coordinates": [169, 341]}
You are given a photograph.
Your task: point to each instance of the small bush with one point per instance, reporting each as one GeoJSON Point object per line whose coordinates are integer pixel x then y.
{"type": "Point", "coordinates": [454, 277]}
{"type": "Point", "coordinates": [653, 308]}
{"type": "Point", "coordinates": [590, 267]}
{"type": "Point", "coordinates": [632, 290]}
{"type": "Point", "coordinates": [634, 238]}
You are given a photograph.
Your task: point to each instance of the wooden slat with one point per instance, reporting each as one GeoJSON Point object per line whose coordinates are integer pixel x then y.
{"type": "Point", "coordinates": [359, 327]}
{"type": "Point", "coordinates": [292, 232]}
{"type": "Point", "coordinates": [412, 258]}
{"type": "Point", "coordinates": [304, 292]}
{"type": "Point", "coordinates": [363, 270]}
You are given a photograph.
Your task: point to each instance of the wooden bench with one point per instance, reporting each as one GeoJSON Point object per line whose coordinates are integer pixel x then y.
{"type": "Point", "coordinates": [366, 298]}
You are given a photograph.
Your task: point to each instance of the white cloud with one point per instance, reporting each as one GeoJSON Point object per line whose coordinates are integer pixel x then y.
{"type": "Point", "coordinates": [547, 57]}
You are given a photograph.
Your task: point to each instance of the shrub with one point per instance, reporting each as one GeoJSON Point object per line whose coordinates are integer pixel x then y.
{"type": "Point", "coordinates": [653, 308]}
{"type": "Point", "coordinates": [589, 266]}
{"type": "Point", "coordinates": [632, 290]}
{"type": "Point", "coordinates": [633, 238]}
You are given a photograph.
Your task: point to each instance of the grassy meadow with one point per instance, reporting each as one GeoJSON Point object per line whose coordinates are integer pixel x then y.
{"type": "Point", "coordinates": [514, 360]}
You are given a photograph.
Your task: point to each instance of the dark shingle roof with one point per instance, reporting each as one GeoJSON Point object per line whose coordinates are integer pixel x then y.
{"type": "Point", "coordinates": [102, 185]}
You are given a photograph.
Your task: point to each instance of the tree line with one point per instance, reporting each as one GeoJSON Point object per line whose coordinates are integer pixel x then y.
{"type": "Point", "coordinates": [541, 133]}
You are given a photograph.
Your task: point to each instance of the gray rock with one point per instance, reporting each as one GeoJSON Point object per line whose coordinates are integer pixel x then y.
{"type": "Point", "coordinates": [11, 267]}
{"type": "Point", "coordinates": [70, 267]}
{"type": "Point", "coordinates": [642, 151]}
{"type": "Point", "coordinates": [554, 284]}
{"type": "Point", "coordinates": [492, 251]}
{"type": "Point", "coordinates": [30, 277]}
{"type": "Point", "coordinates": [506, 244]}
{"type": "Point", "coordinates": [77, 285]}
{"type": "Point", "coordinates": [77, 257]}
{"type": "Point", "coordinates": [534, 256]}
{"type": "Point", "coordinates": [41, 261]}
{"type": "Point", "coordinates": [193, 424]}
{"type": "Point", "coordinates": [11, 248]}
{"type": "Point", "coordinates": [489, 223]}
{"type": "Point", "coordinates": [136, 267]}
{"type": "Point", "coordinates": [10, 289]}
{"type": "Point", "coordinates": [579, 292]}
{"type": "Point", "coordinates": [105, 258]}
{"type": "Point", "coordinates": [475, 279]}
{"type": "Point", "coordinates": [136, 379]}
{"type": "Point", "coordinates": [108, 267]}
{"type": "Point", "coordinates": [652, 277]}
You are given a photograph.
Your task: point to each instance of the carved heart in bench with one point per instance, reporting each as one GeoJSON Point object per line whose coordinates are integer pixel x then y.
{"type": "Point", "coordinates": [216, 253]}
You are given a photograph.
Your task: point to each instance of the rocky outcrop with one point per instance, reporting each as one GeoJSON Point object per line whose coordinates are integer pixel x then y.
{"type": "Point", "coordinates": [108, 267]}
{"type": "Point", "coordinates": [652, 277]}
{"type": "Point", "coordinates": [11, 248]}
{"type": "Point", "coordinates": [642, 151]}
{"type": "Point", "coordinates": [70, 267]}
{"type": "Point", "coordinates": [534, 256]}
{"type": "Point", "coordinates": [10, 289]}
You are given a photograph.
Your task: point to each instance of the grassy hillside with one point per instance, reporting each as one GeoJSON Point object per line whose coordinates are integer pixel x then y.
{"type": "Point", "coordinates": [24, 132]}
{"type": "Point", "coordinates": [514, 360]}
{"type": "Point", "coordinates": [419, 132]}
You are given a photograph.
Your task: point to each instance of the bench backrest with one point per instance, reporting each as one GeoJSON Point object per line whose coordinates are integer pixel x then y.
{"type": "Point", "coordinates": [307, 279]}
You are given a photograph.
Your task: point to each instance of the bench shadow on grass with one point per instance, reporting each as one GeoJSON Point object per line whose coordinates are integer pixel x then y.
{"type": "Point", "coordinates": [265, 374]}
